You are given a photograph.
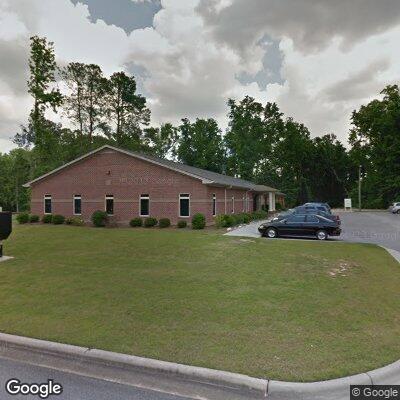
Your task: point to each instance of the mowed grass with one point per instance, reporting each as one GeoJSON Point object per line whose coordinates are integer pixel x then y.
{"type": "Point", "coordinates": [289, 310]}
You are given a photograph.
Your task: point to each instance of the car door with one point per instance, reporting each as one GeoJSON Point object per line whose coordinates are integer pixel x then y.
{"type": "Point", "coordinates": [294, 225]}
{"type": "Point", "coordinates": [311, 224]}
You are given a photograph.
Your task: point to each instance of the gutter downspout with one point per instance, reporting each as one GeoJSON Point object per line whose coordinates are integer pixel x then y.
{"type": "Point", "coordinates": [225, 200]}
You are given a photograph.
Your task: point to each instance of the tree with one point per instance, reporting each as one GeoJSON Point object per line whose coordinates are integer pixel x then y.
{"type": "Point", "coordinates": [161, 141]}
{"type": "Point", "coordinates": [85, 104]}
{"type": "Point", "coordinates": [42, 67]}
{"type": "Point", "coordinates": [200, 144]}
{"type": "Point", "coordinates": [126, 110]}
{"type": "Point", "coordinates": [375, 142]}
{"type": "Point", "coordinates": [251, 135]}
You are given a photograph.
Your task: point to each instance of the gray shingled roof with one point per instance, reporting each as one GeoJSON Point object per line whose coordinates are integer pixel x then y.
{"type": "Point", "coordinates": [208, 176]}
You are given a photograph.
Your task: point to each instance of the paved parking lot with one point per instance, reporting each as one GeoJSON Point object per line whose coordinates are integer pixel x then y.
{"type": "Point", "coordinates": [378, 227]}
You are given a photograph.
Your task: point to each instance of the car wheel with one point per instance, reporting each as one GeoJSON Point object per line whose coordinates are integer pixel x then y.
{"type": "Point", "coordinates": [398, 212]}
{"type": "Point", "coordinates": [272, 233]}
{"type": "Point", "coordinates": [322, 235]}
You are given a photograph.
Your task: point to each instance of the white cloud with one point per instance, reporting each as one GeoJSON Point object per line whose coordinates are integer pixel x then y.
{"type": "Point", "coordinates": [336, 55]}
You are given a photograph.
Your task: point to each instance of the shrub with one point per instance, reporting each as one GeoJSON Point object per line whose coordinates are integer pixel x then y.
{"type": "Point", "coordinates": [34, 218]}
{"type": "Point", "coordinates": [23, 218]}
{"type": "Point", "coordinates": [182, 224]}
{"type": "Point", "coordinates": [47, 219]}
{"type": "Point", "coordinates": [150, 222]}
{"type": "Point", "coordinates": [135, 222]}
{"type": "Point", "coordinates": [164, 223]}
{"type": "Point", "coordinates": [246, 218]}
{"type": "Point", "coordinates": [224, 221]}
{"type": "Point", "coordinates": [75, 221]}
{"type": "Point", "coordinates": [99, 218]}
{"type": "Point", "coordinates": [278, 207]}
{"type": "Point", "coordinates": [259, 214]}
{"type": "Point", "coordinates": [198, 221]}
{"type": "Point", "coordinates": [58, 219]}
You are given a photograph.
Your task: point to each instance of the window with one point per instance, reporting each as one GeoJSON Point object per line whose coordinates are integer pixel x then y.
{"type": "Point", "coordinates": [47, 204]}
{"type": "Point", "coordinates": [233, 204]}
{"type": "Point", "coordinates": [110, 205]}
{"type": "Point", "coordinates": [144, 205]}
{"type": "Point", "coordinates": [184, 205]}
{"type": "Point", "coordinates": [77, 205]}
{"type": "Point", "coordinates": [312, 218]}
{"type": "Point", "coordinates": [295, 219]}
{"type": "Point", "coordinates": [214, 205]}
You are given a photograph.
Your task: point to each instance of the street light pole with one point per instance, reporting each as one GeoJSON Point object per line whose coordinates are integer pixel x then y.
{"type": "Point", "coordinates": [359, 188]}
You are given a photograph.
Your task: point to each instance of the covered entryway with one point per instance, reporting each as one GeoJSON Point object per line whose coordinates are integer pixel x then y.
{"type": "Point", "coordinates": [265, 198]}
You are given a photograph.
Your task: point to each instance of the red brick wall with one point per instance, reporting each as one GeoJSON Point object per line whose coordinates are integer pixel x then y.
{"type": "Point", "coordinates": [126, 178]}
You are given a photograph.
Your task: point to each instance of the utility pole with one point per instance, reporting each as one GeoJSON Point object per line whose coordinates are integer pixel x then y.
{"type": "Point", "coordinates": [359, 188]}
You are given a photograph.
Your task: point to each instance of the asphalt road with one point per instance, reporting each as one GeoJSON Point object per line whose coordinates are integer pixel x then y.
{"type": "Point", "coordinates": [75, 387]}
{"type": "Point", "coordinates": [377, 227]}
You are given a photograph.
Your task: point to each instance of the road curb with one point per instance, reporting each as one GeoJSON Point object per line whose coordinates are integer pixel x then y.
{"type": "Point", "coordinates": [120, 368]}
{"type": "Point", "coordinates": [117, 367]}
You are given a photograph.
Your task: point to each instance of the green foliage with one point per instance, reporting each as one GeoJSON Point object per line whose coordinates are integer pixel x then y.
{"type": "Point", "coordinates": [375, 142]}
{"type": "Point", "coordinates": [34, 218]}
{"type": "Point", "coordinates": [150, 222]}
{"type": "Point", "coordinates": [47, 219]}
{"type": "Point", "coordinates": [247, 218]}
{"type": "Point", "coordinates": [200, 144]}
{"type": "Point", "coordinates": [198, 221]}
{"type": "Point", "coordinates": [99, 218]}
{"type": "Point", "coordinates": [224, 221]}
{"type": "Point", "coordinates": [23, 218]}
{"type": "Point", "coordinates": [58, 219]}
{"type": "Point", "coordinates": [164, 223]}
{"type": "Point", "coordinates": [182, 224]}
{"type": "Point", "coordinates": [278, 207]}
{"type": "Point", "coordinates": [75, 221]}
{"type": "Point", "coordinates": [261, 214]}
{"type": "Point", "coordinates": [136, 222]}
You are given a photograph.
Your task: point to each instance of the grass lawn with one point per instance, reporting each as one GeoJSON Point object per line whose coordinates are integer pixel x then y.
{"type": "Point", "coordinates": [289, 310]}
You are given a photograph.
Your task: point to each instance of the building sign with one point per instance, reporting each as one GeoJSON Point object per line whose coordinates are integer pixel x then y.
{"type": "Point", "coordinates": [347, 203]}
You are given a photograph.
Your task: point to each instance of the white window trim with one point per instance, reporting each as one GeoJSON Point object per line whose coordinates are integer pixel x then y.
{"type": "Point", "coordinates": [233, 205]}
{"type": "Point", "coordinates": [142, 197]}
{"type": "Point", "coordinates": [73, 204]}
{"type": "Point", "coordinates": [214, 205]}
{"type": "Point", "coordinates": [108, 197]}
{"type": "Point", "coordinates": [184, 196]}
{"type": "Point", "coordinates": [244, 202]}
{"type": "Point", "coordinates": [45, 197]}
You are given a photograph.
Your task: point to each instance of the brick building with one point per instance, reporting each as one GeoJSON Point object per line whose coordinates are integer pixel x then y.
{"type": "Point", "coordinates": [128, 184]}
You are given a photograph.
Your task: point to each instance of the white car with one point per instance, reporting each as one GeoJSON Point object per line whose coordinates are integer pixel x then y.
{"type": "Point", "coordinates": [395, 208]}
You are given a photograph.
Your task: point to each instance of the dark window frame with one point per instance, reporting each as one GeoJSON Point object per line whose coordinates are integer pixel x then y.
{"type": "Point", "coordinates": [184, 197]}
{"type": "Point", "coordinates": [144, 197]}
{"type": "Point", "coordinates": [108, 198]}
{"type": "Point", "coordinates": [77, 197]}
{"type": "Point", "coordinates": [47, 197]}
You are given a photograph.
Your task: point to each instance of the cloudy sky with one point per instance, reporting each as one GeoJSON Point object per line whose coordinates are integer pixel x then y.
{"type": "Point", "coordinates": [319, 59]}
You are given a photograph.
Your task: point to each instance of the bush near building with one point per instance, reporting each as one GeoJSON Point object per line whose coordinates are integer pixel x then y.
{"type": "Point", "coordinates": [99, 218]}
{"type": "Point", "coordinates": [23, 218]}
{"type": "Point", "coordinates": [136, 222]}
{"type": "Point", "coordinates": [198, 221]}
{"type": "Point", "coordinates": [164, 223]}
{"type": "Point", "coordinates": [47, 219]}
{"type": "Point", "coordinates": [150, 222]}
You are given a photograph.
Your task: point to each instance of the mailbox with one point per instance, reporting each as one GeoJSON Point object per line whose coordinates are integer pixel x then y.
{"type": "Point", "coordinates": [5, 228]}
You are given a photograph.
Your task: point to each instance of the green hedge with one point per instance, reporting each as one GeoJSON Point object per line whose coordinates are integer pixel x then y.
{"type": "Point", "coordinates": [75, 221]}
{"type": "Point", "coordinates": [229, 220]}
{"type": "Point", "coordinates": [150, 222]}
{"type": "Point", "coordinates": [182, 224]}
{"type": "Point", "coordinates": [58, 219]}
{"type": "Point", "coordinates": [198, 221]}
{"type": "Point", "coordinates": [99, 218]}
{"type": "Point", "coordinates": [164, 223]}
{"type": "Point", "coordinates": [47, 219]}
{"type": "Point", "coordinates": [136, 222]}
{"type": "Point", "coordinates": [34, 218]}
{"type": "Point", "coordinates": [23, 218]}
